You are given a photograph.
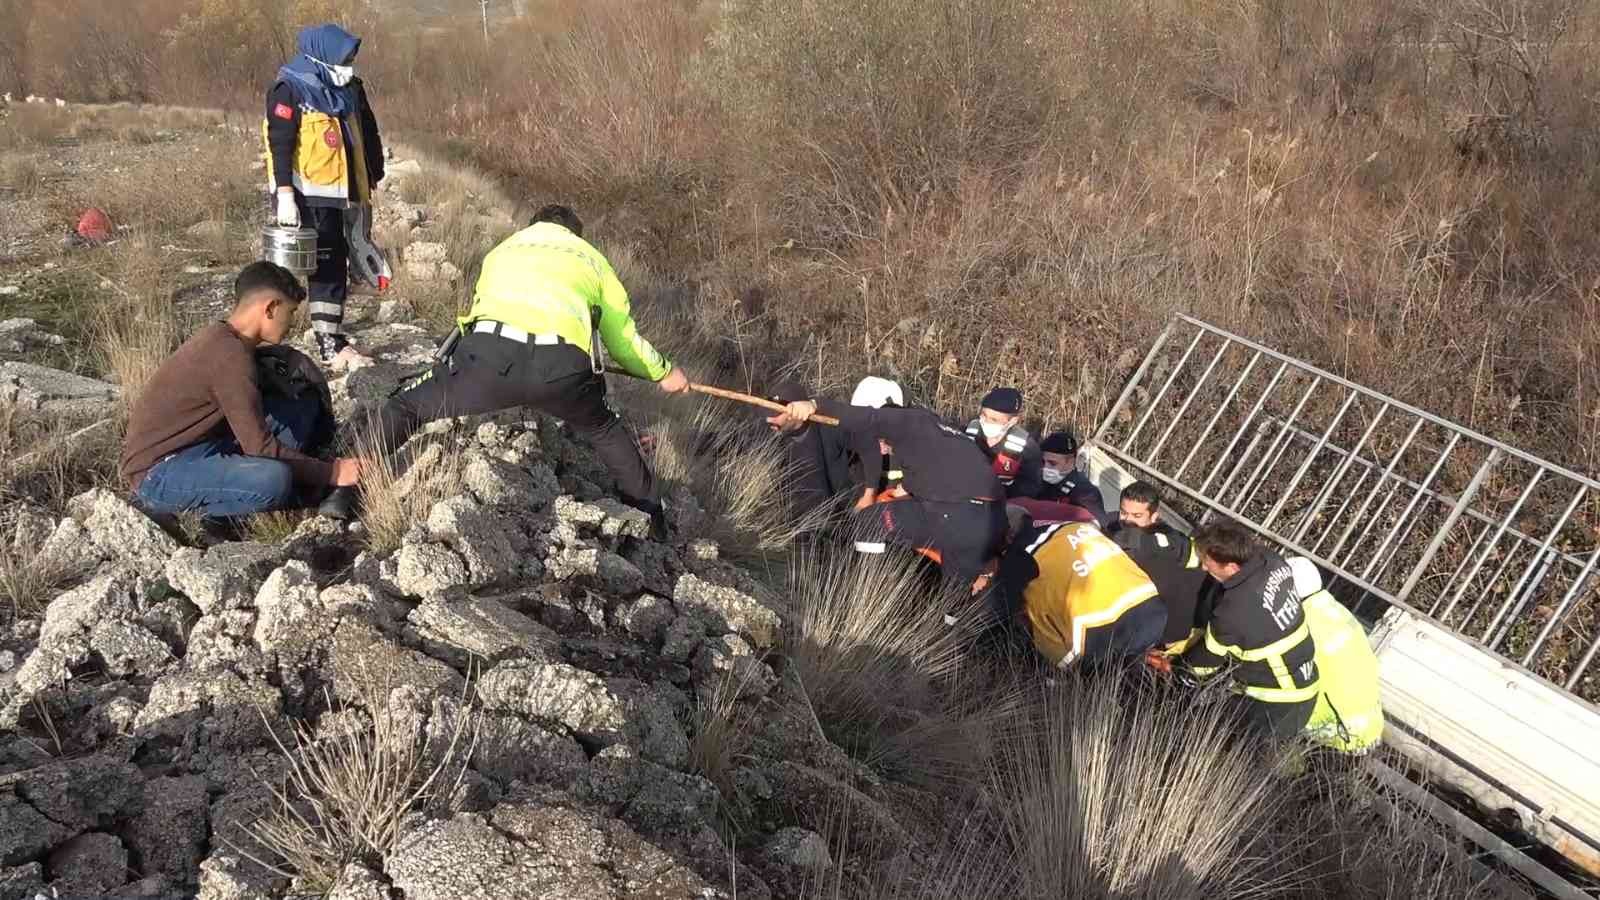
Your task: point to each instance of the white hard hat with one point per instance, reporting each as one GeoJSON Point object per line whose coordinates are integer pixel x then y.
{"type": "Point", "coordinates": [875, 392]}
{"type": "Point", "coordinates": [1307, 580]}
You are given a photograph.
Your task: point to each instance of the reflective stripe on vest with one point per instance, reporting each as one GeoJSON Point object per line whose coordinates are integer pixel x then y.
{"type": "Point", "coordinates": [1273, 655]}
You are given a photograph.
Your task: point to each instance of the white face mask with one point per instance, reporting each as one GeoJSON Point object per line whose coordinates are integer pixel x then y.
{"type": "Point", "coordinates": [991, 430]}
{"type": "Point", "coordinates": [1052, 475]}
{"type": "Point", "coordinates": [339, 75]}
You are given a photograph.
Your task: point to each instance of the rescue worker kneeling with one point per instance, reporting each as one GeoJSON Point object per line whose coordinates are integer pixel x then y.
{"type": "Point", "coordinates": [1082, 598]}
{"type": "Point", "coordinates": [1349, 714]}
{"type": "Point", "coordinates": [1258, 628]}
{"type": "Point", "coordinates": [953, 504]}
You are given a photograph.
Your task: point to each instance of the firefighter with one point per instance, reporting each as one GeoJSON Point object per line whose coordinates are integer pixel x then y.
{"type": "Point", "coordinates": [1012, 451]}
{"type": "Point", "coordinates": [527, 341]}
{"type": "Point", "coordinates": [323, 155]}
{"type": "Point", "coordinates": [1349, 714]}
{"type": "Point", "coordinates": [954, 505]}
{"type": "Point", "coordinates": [1063, 481]}
{"type": "Point", "coordinates": [877, 393]}
{"type": "Point", "coordinates": [1258, 628]}
{"type": "Point", "coordinates": [1081, 597]}
{"type": "Point", "coordinates": [1169, 558]}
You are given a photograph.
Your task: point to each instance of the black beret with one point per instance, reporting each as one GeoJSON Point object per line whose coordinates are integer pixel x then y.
{"type": "Point", "coordinates": [1003, 400]}
{"type": "Point", "coordinates": [1059, 442]}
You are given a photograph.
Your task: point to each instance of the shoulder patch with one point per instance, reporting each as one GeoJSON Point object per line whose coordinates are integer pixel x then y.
{"type": "Point", "coordinates": [283, 111]}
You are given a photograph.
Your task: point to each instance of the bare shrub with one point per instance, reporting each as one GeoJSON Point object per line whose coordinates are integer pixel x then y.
{"type": "Point", "coordinates": [345, 796]}
{"type": "Point", "coordinates": [398, 489]}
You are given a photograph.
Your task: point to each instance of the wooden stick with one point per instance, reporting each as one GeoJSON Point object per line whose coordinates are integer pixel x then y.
{"type": "Point", "coordinates": [736, 396]}
{"type": "Point", "coordinates": [753, 400]}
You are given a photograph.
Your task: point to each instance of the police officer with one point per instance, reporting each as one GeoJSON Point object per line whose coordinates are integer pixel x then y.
{"type": "Point", "coordinates": [954, 505]}
{"type": "Point", "coordinates": [1080, 596]}
{"type": "Point", "coordinates": [1259, 628]}
{"type": "Point", "coordinates": [324, 155]}
{"type": "Point", "coordinates": [1011, 449]}
{"type": "Point", "coordinates": [526, 341]}
{"type": "Point", "coordinates": [1169, 558]}
{"type": "Point", "coordinates": [1063, 481]}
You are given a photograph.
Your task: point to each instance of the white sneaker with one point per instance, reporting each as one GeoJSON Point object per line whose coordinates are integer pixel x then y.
{"type": "Point", "coordinates": [349, 359]}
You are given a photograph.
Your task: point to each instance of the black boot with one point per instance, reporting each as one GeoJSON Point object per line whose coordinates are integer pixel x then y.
{"type": "Point", "coordinates": [340, 504]}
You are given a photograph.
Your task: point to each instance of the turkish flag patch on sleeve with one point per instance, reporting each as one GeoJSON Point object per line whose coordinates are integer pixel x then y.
{"type": "Point", "coordinates": [283, 111]}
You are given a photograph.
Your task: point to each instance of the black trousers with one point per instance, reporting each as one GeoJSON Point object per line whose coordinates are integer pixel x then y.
{"type": "Point", "coordinates": [1278, 721]}
{"type": "Point", "coordinates": [329, 285]}
{"type": "Point", "coordinates": [488, 373]}
{"type": "Point", "coordinates": [964, 533]}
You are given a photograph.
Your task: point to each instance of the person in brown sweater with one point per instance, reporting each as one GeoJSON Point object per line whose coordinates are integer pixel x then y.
{"type": "Point", "coordinates": [201, 437]}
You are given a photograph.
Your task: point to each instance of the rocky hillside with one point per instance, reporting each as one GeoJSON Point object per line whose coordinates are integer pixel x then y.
{"type": "Point", "coordinates": [527, 679]}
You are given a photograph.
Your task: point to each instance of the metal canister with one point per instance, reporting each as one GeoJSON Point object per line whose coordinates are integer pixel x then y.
{"type": "Point", "coordinates": [293, 248]}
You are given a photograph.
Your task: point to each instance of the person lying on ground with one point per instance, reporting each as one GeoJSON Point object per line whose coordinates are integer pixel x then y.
{"type": "Point", "coordinates": [1010, 447]}
{"type": "Point", "coordinates": [526, 342]}
{"type": "Point", "coordinates": [954, 506]}
{"type": "Point", "coordinates": [1349, 713]}
{"type": "Point", "coordinates": [1064, 481]}
{"type": "Point", "coordinates": [1080, 598]}
{"type": "Point", "coordinates": [1169, 558]}
{"type": "Point", "coordinates": [203, 438]}
{"type": "Point", "coordinates": [1258, 630]}
{"type": "Point", "coordinates": [817, 459]}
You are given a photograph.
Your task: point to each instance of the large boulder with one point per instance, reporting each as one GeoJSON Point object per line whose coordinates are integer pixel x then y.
{"type": "Point", "coordinates": [226, 576]}
{"type": "Point", "coordinates": [597, 711]}
{"type": "Point", "coordinates": [725, 609]}
{"type": "Point", "coordinates": [209, 712]}
{"type": "Point", "coordinates": [430, 570]}
{"type": "Point", "coordinates": [89, 865]}
{"type": "Point", "coordinates": [122, 532]}
{"type": "Point", "coordinates": [68, 552]}
{"type": "Point", "coordinates": [510, 748]}
{"type": "Point", "coordinates": [286, 605]}
{"type": "Point", "coordinates": [25, 833]}
{"type": "Point", "coordinates": [170, 832]}
{"type": "Point", "coordinates": [80, 794]}
{"type": "Point", "coordinates": [479, 627]}
{"type": "Point", "coordinates": [478, 535]}
{"type": "Point", "coordinates": [32, 387]}
{"type": "Point", "coordinates": [498, 483]}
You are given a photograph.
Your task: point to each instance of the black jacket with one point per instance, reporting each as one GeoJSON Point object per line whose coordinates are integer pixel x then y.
{"type": "Point", "coordinates": [817, 460]}
{"type": "Point", "coordinates": [1258, 625]}
{"type": "Point", "coordinates": [940, 463]}
{"type": "Point", "coordinates": [1167, 556]}
{"type": "Point", "coordinates": [284, 133]}
{"type": "Point", "coordinates": [1078, 490]}
{"type": "Point", "coordinates": [1017, 460]}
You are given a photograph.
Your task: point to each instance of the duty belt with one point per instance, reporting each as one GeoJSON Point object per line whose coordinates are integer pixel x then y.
{"type": "Point", "coordinates": [513, 333]}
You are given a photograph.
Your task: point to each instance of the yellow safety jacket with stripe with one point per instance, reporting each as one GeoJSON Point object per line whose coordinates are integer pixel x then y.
{"type": "Point", "coordinates": [1258, 625]}
{"type": "Point", "coordinates": [1083, 582]}
{"type": "Point", "coordinates": [323, 170]}
{"type": "Point", "coordinates": [1349, 713]}
{"type": "Point", "coordinates": [546, 280]}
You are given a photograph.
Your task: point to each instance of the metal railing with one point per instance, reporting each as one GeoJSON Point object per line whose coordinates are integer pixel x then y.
{"type": "Point", "coordinates": [1493, 543]}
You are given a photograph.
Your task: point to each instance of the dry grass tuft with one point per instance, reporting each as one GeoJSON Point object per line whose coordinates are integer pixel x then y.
{"type": "Point", "coordinates": [47, 459]}
{"type": "Point", "coordinates": [275, 527]}
{"type": "Point", "coordinates": [885, 678]}
{"type": "Point", "coordinates": [346, 796]}
{"type": "Point", "coordinates": [719, 732]}
{"type": "Point", "coordinates": [21, 174]}
{"type": "Point", "coordinates": [26, 583]}
{"type": "Point", "coordinates": [398, 490]}
{"type": "Point", "coordinates": [1118, 791]}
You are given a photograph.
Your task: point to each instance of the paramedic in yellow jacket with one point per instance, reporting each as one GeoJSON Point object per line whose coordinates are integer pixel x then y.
{"type": "Point", "coordinates": [1081, 597]}
{"type": "Point", "coordinates": [527, 341]}
{"type": "Point", "coordinates": [323, 155]}
{"type": "Point", "coordinates": [1349, 715]}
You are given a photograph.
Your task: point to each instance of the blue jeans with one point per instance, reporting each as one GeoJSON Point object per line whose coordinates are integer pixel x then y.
{"type": "Point", "coordinates": [216, 479]}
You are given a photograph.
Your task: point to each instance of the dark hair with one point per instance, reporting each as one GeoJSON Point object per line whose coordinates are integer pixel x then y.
{"type": "Point", "coordinates": [1143, 492]}
{"type": "Point", "coordinates": [560, 215]}
{"type": "Point", "coordinates": [1226, 543]}
{"type": "Point", "coordinates": [264, 275]}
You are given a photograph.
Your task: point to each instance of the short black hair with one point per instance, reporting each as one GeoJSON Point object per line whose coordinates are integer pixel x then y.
{"type": "Point", "coordinates": [560, 215]}
{"type": "Point", "coordinates": [1143, 492]}
{"type": "Point", "coordinates": [1226, 542]}
{"type": "Point", "coordinates": [265, 275]}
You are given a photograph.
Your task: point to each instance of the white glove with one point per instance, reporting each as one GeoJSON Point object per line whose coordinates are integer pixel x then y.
{"type": "Point", "coordinates": [288, 212]}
